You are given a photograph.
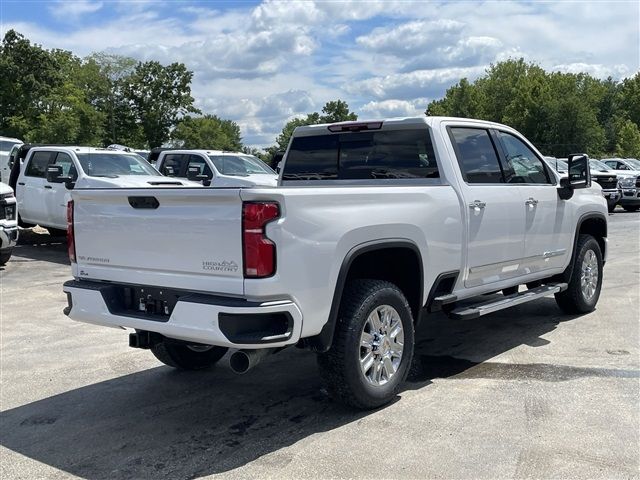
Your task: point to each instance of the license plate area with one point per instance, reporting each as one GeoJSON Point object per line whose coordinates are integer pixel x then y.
{"type": "Point", "coordinates": [149, 303]}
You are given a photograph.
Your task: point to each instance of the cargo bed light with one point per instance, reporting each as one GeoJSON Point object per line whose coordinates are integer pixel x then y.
{"type": "Point", "coordinates": [354, 127]}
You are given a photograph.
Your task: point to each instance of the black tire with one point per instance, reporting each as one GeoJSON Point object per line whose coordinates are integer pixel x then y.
{"type": "Point", "coordinates": [574, 300]}
{"type": "Point", "coordinates": [5, 255]}
{"type": "Point", "coordinates": [510, 291]}
{"type": "Point", "coordinates": [24, 224]}
{"type": "Point", "coordinates": [56, 232]}
{"type": "Point", "coordinates": [183, 357]}
{"type": "Point", "coordinates": [631, 208]}
{"type": "Point", "coordinates": [611, 207]}
{"type": "Point", "coordinates": [340, 366]}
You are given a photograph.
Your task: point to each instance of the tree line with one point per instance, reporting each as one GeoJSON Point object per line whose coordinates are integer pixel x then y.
{"type": "Point", "coordinates": [560, 113]}
{"type": "Point", "coordinates": [54, 96]}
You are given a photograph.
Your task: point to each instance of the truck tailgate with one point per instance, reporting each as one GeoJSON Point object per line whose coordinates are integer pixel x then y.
{"type": "Point", "coordinates": [186, 238]}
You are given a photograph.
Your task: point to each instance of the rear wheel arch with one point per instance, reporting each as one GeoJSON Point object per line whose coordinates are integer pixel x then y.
{"type": "Point", "coordinates": [358, 264]}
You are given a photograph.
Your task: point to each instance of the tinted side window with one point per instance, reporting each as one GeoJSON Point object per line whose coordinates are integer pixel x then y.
{"type": "Point", "coordinates": [196, 161]}
{"type": "Point", "coordinates": [476, 155]}
{"type": "Point", "coordinates": [38, 164]}
{"type": "Point", "coordinates": [392, 154]}
{"type": "Point", "coordinates": [523, 166]}
{"type": "Point", "coordinates": [173, 165]}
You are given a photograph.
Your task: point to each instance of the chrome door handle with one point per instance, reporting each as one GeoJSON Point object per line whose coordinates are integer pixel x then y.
{"type": "Point", "coordinates": [477, 204]}
{"type": "Point", "coordinates": [531, 202]}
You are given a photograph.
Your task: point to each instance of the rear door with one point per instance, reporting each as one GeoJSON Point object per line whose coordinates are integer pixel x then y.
{"type": "Point", "coordinates": [186, 238]}
{"type": "Point", "coordinates": [548, 233]}
{"type": "Point", "coordinates": [495, 218]}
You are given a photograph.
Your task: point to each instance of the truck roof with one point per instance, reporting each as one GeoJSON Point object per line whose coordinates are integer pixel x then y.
{"type": "Point", "coordinates": [206, 152]}
{"type": "Point", "coordinates": [11, 139]}
{"type": "Point", "coordinates": [79, 149]}
{"type": "Point", "coordinates": [397, 122]}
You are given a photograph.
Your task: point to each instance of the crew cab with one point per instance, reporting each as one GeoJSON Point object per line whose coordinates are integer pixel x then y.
{"type": "Point", "coordinates": [216, 168]}
{"type": "Point", "coordinates": [6, 146]}
{"type": "Point", "coordinates": [8, 223]}
{"type": "Point", "coordinates": [373, 226]}
{"type": "Point", "coordinates": [49, 173]}
{"type": "Point", "coordinates": [628, 169]}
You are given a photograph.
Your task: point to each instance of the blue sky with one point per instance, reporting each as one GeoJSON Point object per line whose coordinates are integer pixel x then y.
{"type": "Point", "coordinates": [262, 63]}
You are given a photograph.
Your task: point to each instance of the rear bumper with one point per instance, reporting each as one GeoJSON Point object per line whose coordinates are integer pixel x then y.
{"type": "Point", "coordinates": [196, 318]}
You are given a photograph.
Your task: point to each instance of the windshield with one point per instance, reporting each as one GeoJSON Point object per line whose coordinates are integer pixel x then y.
{"type": "Point", "coordinates": [5, 145]}
{"type": "Point", "coordinates": [635, 164]}
{"type": "Point", "coordinates": [239, 164]}
{"type": "Point", "coordinates": [114, 164]}
{"type": "Point", "coordinates": [598, 166]}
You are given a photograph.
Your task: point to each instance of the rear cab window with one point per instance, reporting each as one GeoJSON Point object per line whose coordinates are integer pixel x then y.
{"type": "Point", "coordinates": [405, 154]}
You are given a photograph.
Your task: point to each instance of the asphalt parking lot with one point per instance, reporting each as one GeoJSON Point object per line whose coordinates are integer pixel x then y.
{"type": "Point", "coordinates": [525, 393]}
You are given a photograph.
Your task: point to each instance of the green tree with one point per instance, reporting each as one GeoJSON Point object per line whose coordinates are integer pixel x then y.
{"type": "Point", "coordinates": [629, 98]}
{"type": "Point", "coordinates": [332, 112]}
{"type": "Point", "coordinates": [159, 96]}
{"type": "Point", "coordinates": [29, 73]}
{"type": "Point", "coordinates": [207, 132]}
{"type": "Point", "coordinates": [121, 124]}
{"type": "Point", "coordinates": [628, 140]}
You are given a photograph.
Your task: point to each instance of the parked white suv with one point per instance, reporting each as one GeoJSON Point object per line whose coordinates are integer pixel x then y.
{"type": "Point", "coordinates": [48, 174]}
{"type": "Point", "coordinates": [373, 226]}
{"type": "Point", "coordinates": [216, 168]}
{"type": "Point", "coordinates": [6, 145]}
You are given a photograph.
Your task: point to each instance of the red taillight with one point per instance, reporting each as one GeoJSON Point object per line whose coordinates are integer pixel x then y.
{"type": "Point", "coordinates": [259, 252]}
{"type": "Point", "coordinates": [71, 241]}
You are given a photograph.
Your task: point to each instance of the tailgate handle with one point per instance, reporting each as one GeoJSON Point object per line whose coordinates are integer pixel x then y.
{"type": "Point", "coordinates": [144, 202]}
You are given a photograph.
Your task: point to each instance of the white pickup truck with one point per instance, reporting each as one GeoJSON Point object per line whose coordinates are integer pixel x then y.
{"type": "Point", "coordinates": [6, 147]}
{"type": "Point", "coordinates": [8, 223]}
{"type": "Point", "coordinates": [48, 173]}
{"type": "Point", "coordinates": [373, 226]}
{"type": "Point", "coordinates": [216, 168]}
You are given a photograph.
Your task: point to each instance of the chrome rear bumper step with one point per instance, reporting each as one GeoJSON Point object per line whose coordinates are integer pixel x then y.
{"type": "Point", "coordinates": [484, 308]}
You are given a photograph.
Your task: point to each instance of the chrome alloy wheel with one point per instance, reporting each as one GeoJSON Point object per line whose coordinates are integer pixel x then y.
{"type": "Point", "coordinates": [589, 275]}
{"type": "Point", "coordinates": [381, 345]}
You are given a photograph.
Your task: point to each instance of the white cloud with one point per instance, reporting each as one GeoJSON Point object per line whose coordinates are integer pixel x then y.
{"type": "Point", "coordinates": [394, 108]}
{"type": "Point", "coordinates": [262, 65]}
{"type": "Point", "coordinates": [419, 83]}
{"type": "Point", "coordinates": [72, 10]}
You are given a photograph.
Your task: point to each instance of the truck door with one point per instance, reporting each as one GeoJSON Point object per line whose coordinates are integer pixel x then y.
{"type": "Point", "coordinates": [57, 195]}
{"type": "Point", "coordinates": [494, 215]}
{"type": "Point", "coordinates": [31, 192]}
{"type": "Point", "coordinates": [548, 233]}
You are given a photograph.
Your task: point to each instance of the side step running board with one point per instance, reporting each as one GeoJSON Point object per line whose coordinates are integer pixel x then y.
{"type": "Point", "coordinates": [484, 308]}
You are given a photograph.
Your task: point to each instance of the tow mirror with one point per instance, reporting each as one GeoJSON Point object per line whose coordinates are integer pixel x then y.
{"type": "Point", "coordinates": [277, 160]}
{"type": "Point", "coordinates": [578, 175]}
{"type": "Point", "coordinates": [579, 171]}
{"type": "Point", "coordinates": [55, 174]}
